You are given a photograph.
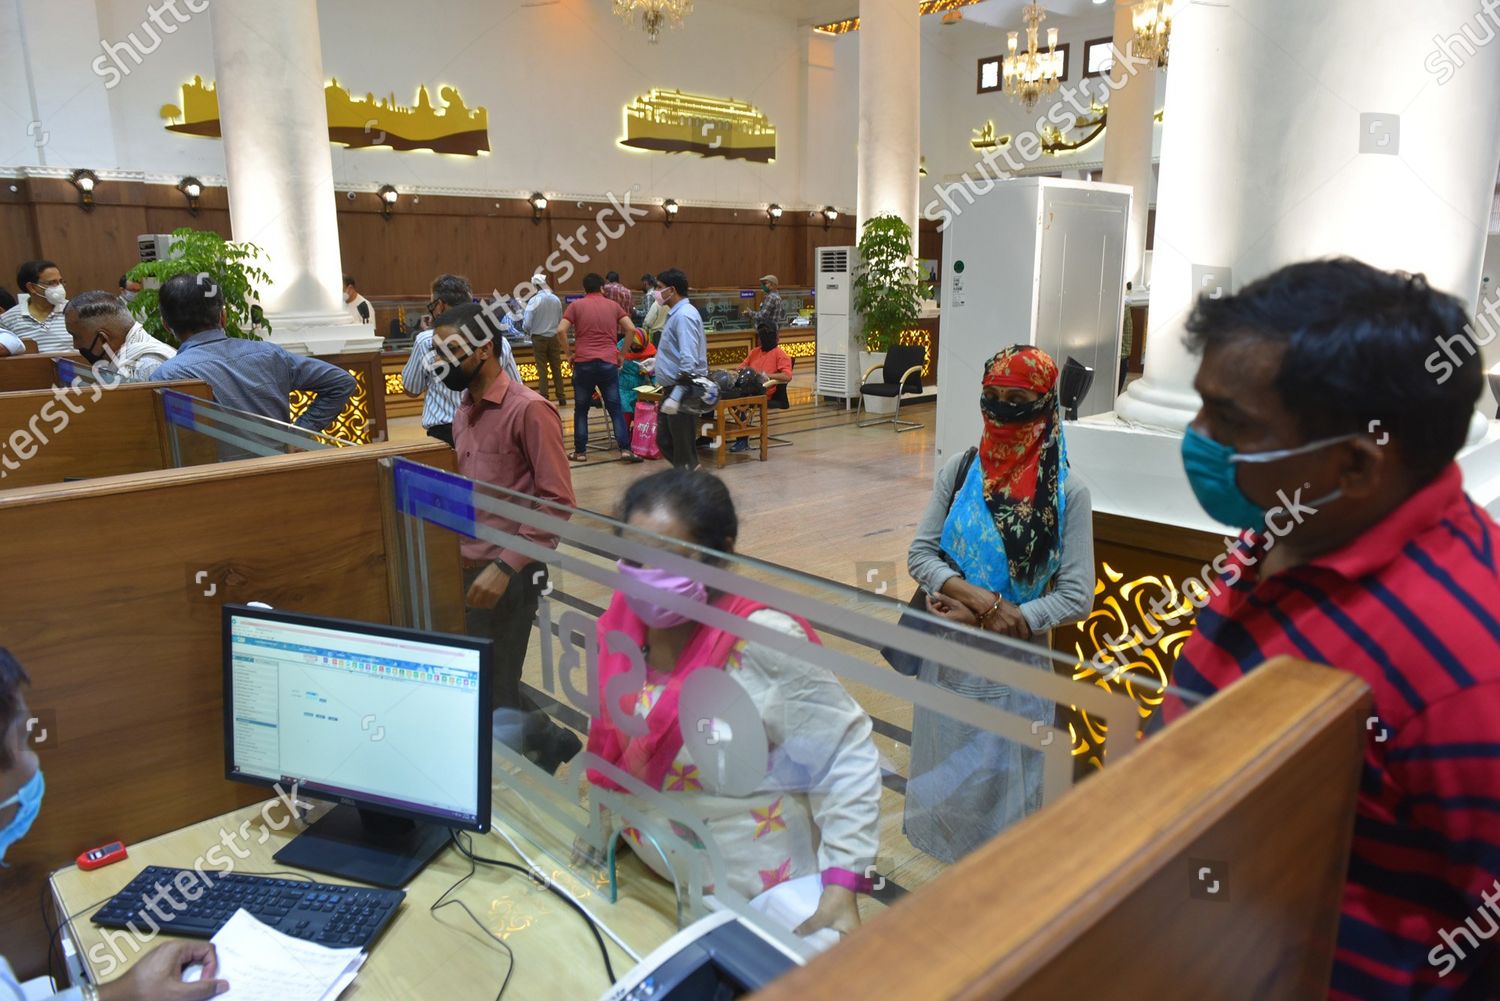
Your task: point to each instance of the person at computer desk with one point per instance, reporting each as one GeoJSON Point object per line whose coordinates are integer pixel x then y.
{"type": "Point", "coordinates": [508, 435]}
{"type": "Point", "coordinates": [156, 976]}
{"type": "Point", "coordinates": [816, 812]}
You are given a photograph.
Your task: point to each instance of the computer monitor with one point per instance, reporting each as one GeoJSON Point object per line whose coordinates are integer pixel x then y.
{"type": "Point", "coordinates": [392, 723]}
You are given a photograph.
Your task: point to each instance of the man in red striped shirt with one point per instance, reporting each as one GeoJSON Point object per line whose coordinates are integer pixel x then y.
{"type": "Point", "coordinates": [1325, 433]}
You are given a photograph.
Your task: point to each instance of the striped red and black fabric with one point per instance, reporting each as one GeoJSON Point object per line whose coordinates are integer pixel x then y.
{"type": "Point", "coordinates": [1412, 607]}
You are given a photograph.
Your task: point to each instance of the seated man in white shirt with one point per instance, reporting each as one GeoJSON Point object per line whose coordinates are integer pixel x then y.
{"type": "Point", "coordinates": [157, 975]}
{"type": "Point", "coordinates": [38, 316]}
{"type": "Point", "coordinates": [103, 330]}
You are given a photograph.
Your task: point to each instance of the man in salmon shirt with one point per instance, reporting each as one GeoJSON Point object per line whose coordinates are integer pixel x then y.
{"type": "Point", "coordinates": [507, 435]}
{"type": "Point", "coordinates": [1328, 432]}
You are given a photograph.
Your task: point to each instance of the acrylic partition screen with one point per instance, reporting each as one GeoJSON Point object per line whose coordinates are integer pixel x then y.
{"type": "Point", "coordinates": [202, 432]}
{"type": "Point", "coordinates": [746, 741]}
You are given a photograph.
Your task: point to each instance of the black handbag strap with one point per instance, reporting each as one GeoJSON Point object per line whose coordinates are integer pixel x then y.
{"type": "Point", "coordinates": [963, 474]}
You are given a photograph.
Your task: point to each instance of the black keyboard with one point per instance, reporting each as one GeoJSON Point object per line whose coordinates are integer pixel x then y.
{"type": "Point", "coordinates": [327, 913]}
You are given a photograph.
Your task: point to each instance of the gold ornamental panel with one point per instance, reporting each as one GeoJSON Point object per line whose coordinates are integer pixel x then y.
{"type": "Point", "coordinates": [353, 424]}
{"type": "Point", "coordinates": [1138, 644]}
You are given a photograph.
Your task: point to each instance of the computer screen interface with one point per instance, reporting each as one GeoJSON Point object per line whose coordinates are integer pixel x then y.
{"type": "Point", "coordinates": [388, 719]}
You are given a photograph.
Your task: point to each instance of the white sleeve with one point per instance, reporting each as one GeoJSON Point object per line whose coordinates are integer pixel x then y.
{"type": "Point", "coordinates": [821, 737]}
{"type": "Point", "coordinates": [10, 342]}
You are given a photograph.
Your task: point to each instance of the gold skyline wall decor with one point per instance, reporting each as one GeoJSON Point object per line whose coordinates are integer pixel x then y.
{"type": "Point", "coordinates": [924, 8]}
{"type": "Point", "coordinates": [359, 123]}
{"type": "Point", "coordinates": [673, 121]}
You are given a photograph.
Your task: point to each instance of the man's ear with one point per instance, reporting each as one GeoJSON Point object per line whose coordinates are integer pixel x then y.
{"type": "Point", "coordinates": [1367, 466]}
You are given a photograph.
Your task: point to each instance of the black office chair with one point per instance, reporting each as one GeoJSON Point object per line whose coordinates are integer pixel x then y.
{"type": "Point", "coordinates": [901, 375]}
{"type": "Point", "coordinates": [781, 401]}
{"type": "Point", "coordinates": [1073, 386]}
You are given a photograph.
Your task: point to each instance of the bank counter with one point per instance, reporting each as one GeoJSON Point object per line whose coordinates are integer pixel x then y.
{"type": "Point", "coordinates": [729, 329]}
{"type": "Point", "coordinates": [806, 770]}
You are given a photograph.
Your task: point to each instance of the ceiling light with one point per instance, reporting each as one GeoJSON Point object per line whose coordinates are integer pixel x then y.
{"type": "Point", "coordinates": [654, 15]}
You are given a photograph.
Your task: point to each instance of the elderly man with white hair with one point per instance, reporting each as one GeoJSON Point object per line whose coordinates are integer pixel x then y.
{"type": "Point", "coordinates": [544, 312]}
{"type": "Point", "coordinates": [103, 330]}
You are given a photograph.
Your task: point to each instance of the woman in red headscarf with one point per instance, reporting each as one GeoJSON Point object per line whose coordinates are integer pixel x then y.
{"type": "Point", "coordinates": [1007, 546]}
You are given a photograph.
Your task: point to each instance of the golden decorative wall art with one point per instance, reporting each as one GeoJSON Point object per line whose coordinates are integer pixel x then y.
{"type": "Point", "coordinates": [924, 8]}
{"type": "Point", "coordinates": [359, 123]}
{"type": "Point", "coordinates": [985, 137]}
{"type": "Point", "coordinates": [673, 121]}
{"type": "Point", "coordinates": [1137, 664]}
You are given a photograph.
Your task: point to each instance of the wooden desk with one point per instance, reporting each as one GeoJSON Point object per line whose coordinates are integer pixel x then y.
{"type": "Point", "coordinates": [745, 417]}
{"type": "Point", "coordinates": [420, 954]}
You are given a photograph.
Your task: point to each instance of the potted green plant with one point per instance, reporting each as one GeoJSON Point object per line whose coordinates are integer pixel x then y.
{"type": "Point", "coordinates": [231, 265]}
{"type": "Point", "coordinates": [887, 291]}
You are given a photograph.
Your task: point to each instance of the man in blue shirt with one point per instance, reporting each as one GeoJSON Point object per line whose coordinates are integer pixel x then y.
{"type": "Point", "coordinates": [683, 351]}
{"type": "Point", "coordinates": [257, 377]}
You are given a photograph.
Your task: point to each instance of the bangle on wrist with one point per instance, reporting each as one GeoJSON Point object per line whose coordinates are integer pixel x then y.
{"type": "Point", "coordinates": [992, 609]}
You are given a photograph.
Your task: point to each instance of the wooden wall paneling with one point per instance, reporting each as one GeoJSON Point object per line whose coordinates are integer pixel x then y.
{"type": "Point", "coordinates": [1096, 895]}
{"type": "Point", "coordinates": [123, 645]}
{"type": "Point", "coordinates": [18, 239]}
{"type": "Point", "coordinates": [492, 241]}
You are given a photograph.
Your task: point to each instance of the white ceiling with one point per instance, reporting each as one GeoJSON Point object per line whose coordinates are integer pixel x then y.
{"type": "Point", "coordinates": [997, 13]}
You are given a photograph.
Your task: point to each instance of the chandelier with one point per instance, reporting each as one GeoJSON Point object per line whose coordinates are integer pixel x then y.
{"type": "Point", "coordinates": [654, 13]}
{"type": "Point", "coordinates": [1153, 29]}
{"type": "Point", "coordinates": [1030, 74]}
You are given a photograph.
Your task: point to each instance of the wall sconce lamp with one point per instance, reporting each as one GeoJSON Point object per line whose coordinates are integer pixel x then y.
{"type": "Point", "coordinates": [388, 198]}
{"type": "Point", "coordinates": [774, 212]}
{"type": "Point", "coordinates": [830, 216]}
{"type": "Point", "coordinates": [670, 207]}
{"type": "Point", "coordinates": [85, 181]}
{"type": "Point", "coordinates": [192, 189]}
{"type": "Point", "coordinates": [538, 203]}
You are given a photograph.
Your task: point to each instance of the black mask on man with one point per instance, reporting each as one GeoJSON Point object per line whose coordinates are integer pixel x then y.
{"type": "Point", "coordinates": [90, 355]}
{"type": "Point", "coordinates": [457, 379]}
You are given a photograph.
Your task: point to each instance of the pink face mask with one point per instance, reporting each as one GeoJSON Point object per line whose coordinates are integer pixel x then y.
{"type": "Point", "coordinates": [653, 614]}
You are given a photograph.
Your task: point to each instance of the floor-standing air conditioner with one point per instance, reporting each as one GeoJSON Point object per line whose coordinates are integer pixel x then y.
{"type": "Point", "coordinates": [838, 355]}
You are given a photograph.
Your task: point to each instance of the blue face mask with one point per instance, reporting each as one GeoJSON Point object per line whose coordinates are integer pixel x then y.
{"type": "Point", "coordinates": [30, 798]}
{"type": "Point", "coordinates": [1210, 471]}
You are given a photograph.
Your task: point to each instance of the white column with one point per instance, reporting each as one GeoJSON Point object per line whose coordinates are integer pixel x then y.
{"type": "Point", "coordinates": [1297, 130]}
{"type": "Point", "coordinates": [269, 67]}
{"type": "Point", "coordinates": [1128, 140]}
{"type": "Point", "coordinates": [890, 110]}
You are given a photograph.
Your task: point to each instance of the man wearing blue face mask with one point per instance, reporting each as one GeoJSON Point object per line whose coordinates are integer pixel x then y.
{"type": "Point", "coordinates": [1324, 434]}
{"type": "Point", "coordinates": [157, 975]}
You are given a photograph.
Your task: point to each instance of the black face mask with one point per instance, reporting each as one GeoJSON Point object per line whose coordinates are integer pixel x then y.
{"type": "Point", "coordinates": [768, 342]}
{"type": "Point", "coordinates": [1012, 413]}
{"type": "Point", "coordinates": [90, 355]}
{"type": "Point", "coordinates": [457, 379]}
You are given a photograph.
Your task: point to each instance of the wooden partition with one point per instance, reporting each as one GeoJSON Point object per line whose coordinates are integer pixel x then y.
{"type": "Point", "coordinates": [114, 609]}
{"type": "Point", "coordinates": [1209, 864]}
{"type": "Point", "coordinates": [31, 371]}
{"type": "Point", "coordinates": [94, 432]}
